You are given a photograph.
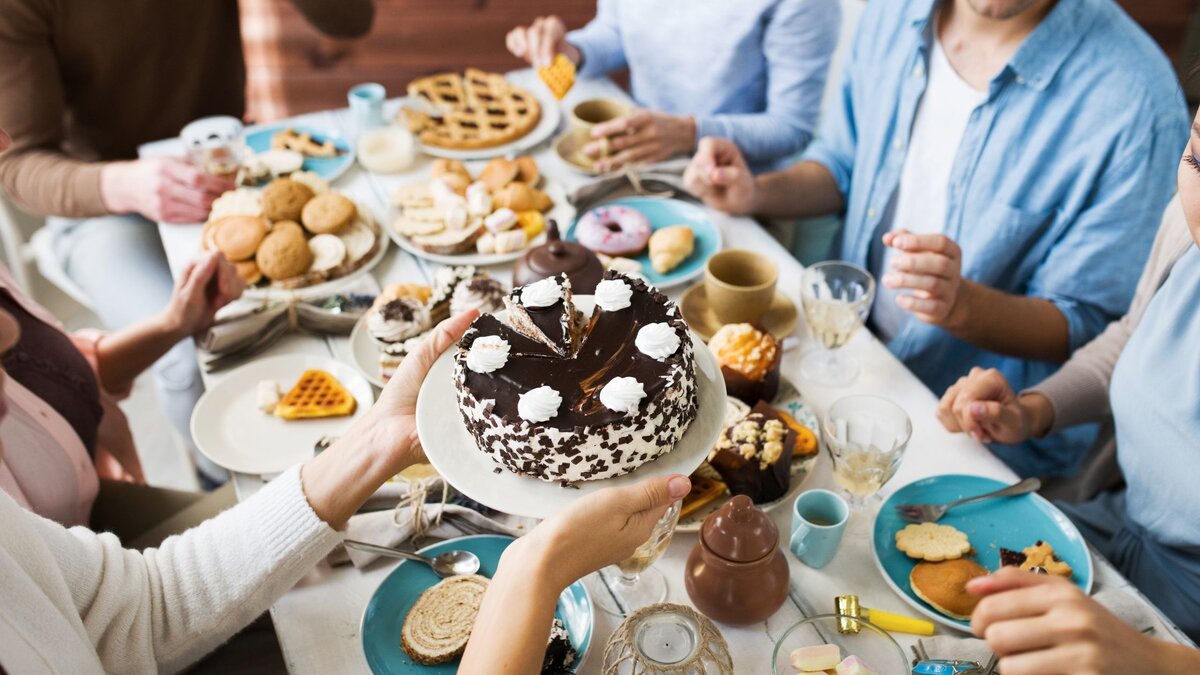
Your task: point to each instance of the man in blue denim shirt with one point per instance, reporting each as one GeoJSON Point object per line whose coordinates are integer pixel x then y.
{"type": "Point", "coordinates": [1049, 196]}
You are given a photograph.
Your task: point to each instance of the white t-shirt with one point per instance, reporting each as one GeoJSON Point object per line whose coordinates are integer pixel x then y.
{"type": "Point", "coordinates": [920, 202]}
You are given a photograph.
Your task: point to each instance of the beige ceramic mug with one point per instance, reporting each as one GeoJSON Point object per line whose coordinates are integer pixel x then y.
{"type": "Point", "coordinates": [739, 285]}
{"type": "Point", "coordinates": [591, 112]}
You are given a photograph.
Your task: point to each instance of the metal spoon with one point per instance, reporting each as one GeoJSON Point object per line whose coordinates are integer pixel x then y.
{"type": "Point", "coordinates": [448, 564]}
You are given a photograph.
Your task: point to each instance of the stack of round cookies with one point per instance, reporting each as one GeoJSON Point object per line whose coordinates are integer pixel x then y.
{"type": "Point", "coordinates": [295, 233]}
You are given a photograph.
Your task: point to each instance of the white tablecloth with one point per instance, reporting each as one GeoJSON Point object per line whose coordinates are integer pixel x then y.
{"type": "Point", "coordinates": [318, 621]}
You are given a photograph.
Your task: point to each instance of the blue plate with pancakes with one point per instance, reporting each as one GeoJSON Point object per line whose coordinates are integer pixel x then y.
{"type": "Point", "coordinates": [1008, 522]}
{"type": "Point", "coordinates": [384, 616]}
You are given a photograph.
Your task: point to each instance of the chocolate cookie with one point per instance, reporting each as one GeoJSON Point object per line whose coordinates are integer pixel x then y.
{"type": "Point", "coordinates": [328, 213]}
{"type": "Point", "coordinates": [284, 254]}
{"type": "Point", "coordinates": [238, 237]}
{"type": "Point", "coordinates": [284, 199]}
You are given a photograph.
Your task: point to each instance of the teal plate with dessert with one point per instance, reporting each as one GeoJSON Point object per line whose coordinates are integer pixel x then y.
{"type": "Point", "coordinates": [329, 168]}
{"type": "Point", "coordinates": [665, 212]}
{"type": "Point", "coordinates": [1011, 522]}
{"type": "Point", "coordinates": [384, 616]}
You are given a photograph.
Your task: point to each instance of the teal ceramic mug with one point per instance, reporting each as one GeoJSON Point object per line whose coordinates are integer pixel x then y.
{"type": "Point", "coordinates": [818, 520]}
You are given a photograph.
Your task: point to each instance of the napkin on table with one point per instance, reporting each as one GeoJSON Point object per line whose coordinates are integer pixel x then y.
{"type": "Point", "coordinates": [418, 509]}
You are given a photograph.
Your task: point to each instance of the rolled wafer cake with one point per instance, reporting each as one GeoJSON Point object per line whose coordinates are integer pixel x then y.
{"type": "Point", "coordinates": [565, 397]}
{"type": "Point", "coordinates": [438, 626]}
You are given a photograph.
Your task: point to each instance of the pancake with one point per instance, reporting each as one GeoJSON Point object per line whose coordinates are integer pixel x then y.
{"type": "Point", "coordinates": [943, 585]}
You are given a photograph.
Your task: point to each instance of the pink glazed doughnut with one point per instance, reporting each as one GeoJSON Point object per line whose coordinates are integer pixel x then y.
{"type": "Point", "coordinates": [618, 231]}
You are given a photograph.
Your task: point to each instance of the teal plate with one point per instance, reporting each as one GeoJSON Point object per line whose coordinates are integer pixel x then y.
{"type": "Point", "coordinates": [1012, 522]}
{"type": "Point", "coordinates": [328, 168]}
{"type": "Point", "coordinates": [389, 605]}
{"type": "Point", "coordinates": [664, 212]}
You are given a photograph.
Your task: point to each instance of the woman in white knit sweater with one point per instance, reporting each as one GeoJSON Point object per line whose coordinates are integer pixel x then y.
{"type": "Point", "coordinates": [74, 601]}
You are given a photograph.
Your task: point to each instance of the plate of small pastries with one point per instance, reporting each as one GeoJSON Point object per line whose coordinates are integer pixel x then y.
{"type": "Point", "coordinates": [294, 237]}
{"type": "Point", "coordinates": [280, 150]}
{"type": "Point", "coordinates": [560, 395]}
{"type": "Point", "coordinates": [667, 241]}
{"type": "Point", "coordinates": [929, 564]}
{"type": "Point", "coordinates": [404, 313]}
{"type": "Point", "coordinates": [477, 115]}
{"type": "Point", "coordinates": [416, 623]}
{"type": "Point", "coordinates": [272, 413]}
{"type": "Point", "coordinates": [488, 216]}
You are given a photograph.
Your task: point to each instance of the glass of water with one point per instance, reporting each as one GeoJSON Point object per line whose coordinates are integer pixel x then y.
{"type": "Point", "coordinates": [837, 297]}
{"type": "Point", "coordinates": [866, 437]}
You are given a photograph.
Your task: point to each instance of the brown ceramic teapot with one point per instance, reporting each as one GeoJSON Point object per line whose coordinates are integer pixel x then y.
{"type": "Point", "coordinates": [737, 574]}
{"type": "Point", "coordinates": [560, 257]}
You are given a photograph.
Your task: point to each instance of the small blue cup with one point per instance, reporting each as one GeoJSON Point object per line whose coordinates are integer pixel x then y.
{"type": "Point", "coordinates": [366, 105]}
{"type": "Point", "coordinates": [818, 520]}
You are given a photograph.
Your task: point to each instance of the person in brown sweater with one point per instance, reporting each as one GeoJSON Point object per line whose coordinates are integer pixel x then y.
{"type": "Point", "coordinates": [82, 85]}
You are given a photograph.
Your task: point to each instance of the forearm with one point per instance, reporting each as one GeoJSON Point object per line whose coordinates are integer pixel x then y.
{"type": "Point", "coordinates": [803, 190]}
{"type": "Point", "coordinates": [48, 183]}
{"type": "Point", "coordinates": [125, 354]}
{"type": "Point", "coordinates": [1176, 658]}
{"type": "Point", "coordinates": [762, 137]}
{"type": "Point", "coordinates": [341, 479]}
{"type": "Point", "coordinates": [1014, 325]}
{"type": "Point", "coordinates": [514, 622]}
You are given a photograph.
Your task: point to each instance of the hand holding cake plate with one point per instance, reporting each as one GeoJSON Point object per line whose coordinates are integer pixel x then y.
{"type": "Point", "coordinates": [617, 442]}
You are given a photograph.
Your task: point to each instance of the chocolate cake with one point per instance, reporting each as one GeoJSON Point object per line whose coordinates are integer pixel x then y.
{"type": "Point", "coordinates": [754, 455]}
{"type": "Point", "coordinates": [560, 398]}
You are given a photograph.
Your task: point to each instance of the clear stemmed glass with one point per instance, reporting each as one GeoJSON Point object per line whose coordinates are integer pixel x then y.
{"type": "Point", "coordinates": [837, 297]}
{"type": "Point", "coordinates": [866, 437]}
{"type": "Point", "coordinates": [633, 583]}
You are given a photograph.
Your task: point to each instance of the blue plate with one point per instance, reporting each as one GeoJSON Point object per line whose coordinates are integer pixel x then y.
{"type": "Point", "coordinates": [389, 605]}
{"type": "Point", "coordinates": [330, 168]}
{"type": "Point", "coordinates": [1011, 522]}
{"type": "Point", "coordinates": [662, 212]}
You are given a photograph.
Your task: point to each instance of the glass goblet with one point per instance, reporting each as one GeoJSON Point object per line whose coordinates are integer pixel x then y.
{"type": "Point", "coordinates": [634, 583]}
{"type": "Point", "coordinates": [866, 437]}
{"type": "Point", "coordinates": [837, 297]}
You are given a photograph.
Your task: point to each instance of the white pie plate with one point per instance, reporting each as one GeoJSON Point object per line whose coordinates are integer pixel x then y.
{"type": "Point", "coordinates": [545, 128]}
{"type": "Point", "coordinates": [562, 212]}
{"type": "Point", "coordinates": [229, 428]}
{"type": "Point", "coordinates": [365, 351]}
{"type": "Point", "coordinates": [452, 450]}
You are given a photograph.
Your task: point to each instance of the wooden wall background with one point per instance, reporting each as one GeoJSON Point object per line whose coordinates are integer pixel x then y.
{"type": "Point", "coordinates": [293, 69]}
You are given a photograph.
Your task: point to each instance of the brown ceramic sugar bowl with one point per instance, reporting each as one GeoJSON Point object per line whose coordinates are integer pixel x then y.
{"type": "Point", "coordinates": [740, 285]}
{"type": "Point", "coordinates": [556, 257]}
{"type": "Point", "coordinates": [737, 574]}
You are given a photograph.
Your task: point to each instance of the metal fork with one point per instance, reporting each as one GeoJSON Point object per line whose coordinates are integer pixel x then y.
{"type": "Point", "coordinates": [931, 513]}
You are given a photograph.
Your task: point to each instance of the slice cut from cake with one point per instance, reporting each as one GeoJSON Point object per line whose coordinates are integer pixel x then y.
{"type": "Point", "coordinates": [545, 311]}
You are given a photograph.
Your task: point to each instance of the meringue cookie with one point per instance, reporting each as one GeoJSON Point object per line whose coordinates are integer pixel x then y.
{"type": "Point", "coordinates": [613, 295]}
{"type": "Point", "coordinates": [479, 200]}
{"type": "Point", "coordinates": [622, 394]}
{"type": "Point", "coordinates": [657, 340]}
{"type": "Point", "coordinates": [454, 217]}
{"type": "Point", "coordinates": [328, 252]}
{"type": "Point", "coordinates": [500, 221]}
{"type": "Point", "coordinates": [542, 293]}
{"type": "Point", "coordinates": [488, 353]}
{"type": "Point", "coordinates": [539, 405]}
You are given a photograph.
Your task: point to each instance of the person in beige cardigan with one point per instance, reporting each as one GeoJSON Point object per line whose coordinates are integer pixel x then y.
{"type": "Point", "coordinates": [1142, 377]}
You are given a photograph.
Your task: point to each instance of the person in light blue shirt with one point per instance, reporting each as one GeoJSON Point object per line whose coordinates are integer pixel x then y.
{"type": "Point", "coordinates": [999, 165]}
{"type": "Point", "coordinates": [751, 71]}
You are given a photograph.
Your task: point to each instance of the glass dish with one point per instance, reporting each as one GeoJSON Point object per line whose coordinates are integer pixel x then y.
{"type": "Point", "coordinates": [875, 646]}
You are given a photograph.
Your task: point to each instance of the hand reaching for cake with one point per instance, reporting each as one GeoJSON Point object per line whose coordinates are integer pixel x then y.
{"type": "Point", "coordinates": [1046, 624]}
{"type": "Point", "coordinates": [381, 443]}
{"type": "Point", "coordinates": [595, 531]}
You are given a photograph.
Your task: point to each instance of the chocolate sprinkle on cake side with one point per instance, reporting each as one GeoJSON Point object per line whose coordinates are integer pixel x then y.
{"type": "Point", "coordinates": [585, 440]}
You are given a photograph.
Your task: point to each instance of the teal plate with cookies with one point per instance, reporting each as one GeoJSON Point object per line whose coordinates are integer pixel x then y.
{"type": "Point", "coordinates": [258, 139]}
{"type": "Point", "coordinates": [1010, 522]}
{"type": "Point", "coordinates": [665, 212]}
{"type": "Point", "coordinates": [384, 616]}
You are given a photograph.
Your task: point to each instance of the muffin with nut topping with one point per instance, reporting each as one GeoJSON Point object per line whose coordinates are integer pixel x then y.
{"type": "Point", "coordinates": [754, 455]}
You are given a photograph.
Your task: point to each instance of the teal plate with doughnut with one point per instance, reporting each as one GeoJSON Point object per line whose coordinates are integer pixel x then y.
{"type": "Point", "coordinates": [385, 612]}
{"type": "Point", "coordinates": [329, 168]}
{"type": "Point", "coordinates": [1011, 522]}
{"type": "Point", "coordinates": [665, 212]}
